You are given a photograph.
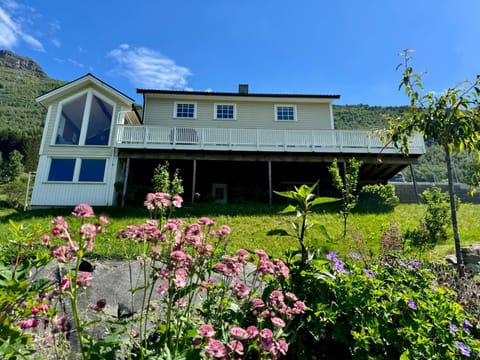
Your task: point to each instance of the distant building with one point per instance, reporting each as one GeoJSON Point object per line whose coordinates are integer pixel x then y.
{"type": "Point", "coordinates": [229, 146]}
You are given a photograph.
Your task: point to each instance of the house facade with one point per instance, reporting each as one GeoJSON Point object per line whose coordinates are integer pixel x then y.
{"type": "Point", "coordinates": [228, 146]}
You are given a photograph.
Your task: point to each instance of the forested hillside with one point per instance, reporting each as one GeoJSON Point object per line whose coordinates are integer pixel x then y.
{"type": "Point", "coordinates": [21, 118]}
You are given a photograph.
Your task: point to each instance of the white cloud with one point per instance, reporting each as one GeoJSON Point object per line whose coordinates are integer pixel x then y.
{"type": "Point", "coordinates": [146, 68]}
{"type": "Point", "coordinates": [11, 32]}
{"type": "Point", "coordinates": [75, 62]}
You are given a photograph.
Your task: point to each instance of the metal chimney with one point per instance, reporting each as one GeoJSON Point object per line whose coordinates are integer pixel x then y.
{"type": "Point", "coordinates": [243, 88]}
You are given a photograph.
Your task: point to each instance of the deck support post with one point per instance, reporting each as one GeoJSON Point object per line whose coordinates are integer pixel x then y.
{"type": "Point", "coordinates": [194, 179]}
{"type": "Point", "coordinates": [125, 181]}
{"type": "Point", "coordinates": [270, 199]}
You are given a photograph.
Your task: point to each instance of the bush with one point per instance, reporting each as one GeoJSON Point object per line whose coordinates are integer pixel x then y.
{"type": "Point", "coordinates": [433, 227]}
{"type": "Point", "coordinates": [379, 197]}
{"type": "Point", "coordinates": [15, 192]}
{"type": "Point", "coordinates": [389, 310]}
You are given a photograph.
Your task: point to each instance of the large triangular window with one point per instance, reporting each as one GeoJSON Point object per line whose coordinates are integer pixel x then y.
{"type": "Point", "coordinates": [84, 120]}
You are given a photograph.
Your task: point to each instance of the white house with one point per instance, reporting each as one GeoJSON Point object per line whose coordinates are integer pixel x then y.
{"type": "Point", "coordinates": [228, 146]}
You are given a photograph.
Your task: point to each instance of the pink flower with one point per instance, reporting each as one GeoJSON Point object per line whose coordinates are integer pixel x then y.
{"type": "Point", "coordinates": [252, 331]}
{"type": "Point", "coordinates": [58, 252]}
{"type": "Point", "coordinates": [177, 201]}
{"type": "Point", "coordinates": [261, 253]}
{"type": "Point", "coordinates": [239, 333]}
{"type": "Point", "coordinates": [258, 303]}
{"type": "Point", "coordinates": [46, 239]}
{"type": "Point", "coordinates": [29, 323]}
{"type": "Point", "coordinates": [206, 221]}
{"type": "Point", "coordinates": [100, 304]}
{"type": "Point", "coordinates": [180, 279]}
{"type": "Point", "coordinates": [291, 296]}
{"type": "Point", "coordinates": [162, 289]}
{"type": "Point", "coordinates": [83, 211]}
{"type": "Point", "coordinates": [84, 279]}
{"type": "Point", "coordinates": [224, 230]}
{"type": "Point", "coordinates": [178, 255]}
{"type": "Point", "coordinates": [276, 297]}
{"type": "Point", "coordinates": [61, 324]}
{"type": "Point", "coordinates": [240, 290]}
{"type": "Point", "coordinates": [216, 349]}
{"type": "Point", "coordinates": [236, 347]}
{"type": "Point", "coordinates": [299, 307]}
{"type": "Point", "coordinates": [206, 330]}
{"type": "Point", "coordinates": [281, 269]}
{"type": "Point", "coordinates": [64, 283]}
{"type": "Point", "coordinates": [104, 220]}
{"type": "Point", "coordinates": [266, 333]}
{"type": "Point", "coordinates": [276, 321]}
{"type": "Point", "coordinates": [282, 347]}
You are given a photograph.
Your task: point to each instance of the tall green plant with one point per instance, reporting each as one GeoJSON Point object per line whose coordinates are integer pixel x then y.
{"type": "Point", "coordinates": [164, 182]}
{"type": "Point", "coordinates": [347, 186]}
{"type": "Point", "coordinates": [450, 118]}
{"type": "Point", "coordinates": [304, 200]}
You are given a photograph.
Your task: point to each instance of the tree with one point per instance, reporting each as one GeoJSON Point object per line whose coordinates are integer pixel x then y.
{"type": "Point", "coordinates": [451, 119]}
{"type": "Point", "coordinates": [347, 186]}
{"type": "Point", "coordinates": [13, 167]}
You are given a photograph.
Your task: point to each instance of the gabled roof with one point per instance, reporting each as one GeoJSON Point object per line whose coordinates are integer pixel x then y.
{"type": "Point", "coordinates": [236, 94]}
{"type": "Point", "coordinates": [88, 78]}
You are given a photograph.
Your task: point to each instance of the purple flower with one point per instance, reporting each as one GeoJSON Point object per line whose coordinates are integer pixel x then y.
{"type": "Point", "coordinates": [415, 264]}
{"type": "Point", "coordinates": [332, 256]}
{"type": "Point", "coordinates": [368, 273]}
{"type": "Point", "coordinates": [339, 266]}
{"type": "Point", "coordinates": [464, 350]}
{"type": "Point", "coordinates": [355, 256]}
{"type": "Point", "coordinates": [411, 304]}
{"type": "Point", "coordinates": [467, 325]}
{"type": "Point", "coordinates": [453, 328]}
{"type": "Point", "coordinates": [401, 263]}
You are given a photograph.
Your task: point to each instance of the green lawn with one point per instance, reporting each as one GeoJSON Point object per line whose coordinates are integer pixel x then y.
{"type": "Point", "coordinates": [251, 223]}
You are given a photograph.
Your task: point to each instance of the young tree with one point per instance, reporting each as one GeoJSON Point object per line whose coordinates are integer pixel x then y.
{"type": "Point", "coordinates": [346, 184]}
{"type": "Point", "coordinates": [13, 167]}
{"type": "Point", "coordinates": [451, 119]}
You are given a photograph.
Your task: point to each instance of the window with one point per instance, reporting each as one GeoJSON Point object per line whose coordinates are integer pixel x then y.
{"type": "Point", "coordinates": [285, 113]}
{"type": "Point", "coordinates": [225, 112]}
{"type": "Point", "coordinates": [91, 170]}
{"type": "Point", "coordinates": [185, 110]}
{"type": "Point", "coordinates": [61, 170]}
{"type": "Point", "coordinates": [84, 120]}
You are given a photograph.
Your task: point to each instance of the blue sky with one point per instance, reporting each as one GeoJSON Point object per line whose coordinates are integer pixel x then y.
{"type": "Point", "coordinates": [276, 46]}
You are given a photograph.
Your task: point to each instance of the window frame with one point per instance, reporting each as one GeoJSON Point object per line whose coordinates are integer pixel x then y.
{"type": "Point", "coordinates": [215, 111]}
{"type": "Point", "coordinates": [89, 93]}
{"type": "Point", "coordinates": [175, 112]}
{"type": "Point", "coordinates": [278, 106]}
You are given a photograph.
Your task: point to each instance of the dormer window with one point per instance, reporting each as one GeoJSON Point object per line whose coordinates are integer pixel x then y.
{"type": "Point", "coordinates": [185, 110]}
{"type": "Point", "coordinates": [84, 120]}
{"type": "Point", "coordinates": [285, 113]}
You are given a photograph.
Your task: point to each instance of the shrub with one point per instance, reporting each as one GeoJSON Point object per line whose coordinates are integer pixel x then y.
{"type": "Point", "coordinates": [389, 310]}
{"type": "Point", "coordinates": [379, 196]}
{"type": "Point", "coordinates": [433, 227]}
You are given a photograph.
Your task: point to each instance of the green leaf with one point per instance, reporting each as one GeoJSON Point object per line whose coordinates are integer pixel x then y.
{"type": "Point", "coordinates": [324, 200]}
{"type": "Point", "coordinates": [288, 209]}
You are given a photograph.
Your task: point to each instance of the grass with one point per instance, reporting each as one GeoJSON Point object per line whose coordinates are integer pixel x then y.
{"type": "Point", "coordinates": [251, 224]}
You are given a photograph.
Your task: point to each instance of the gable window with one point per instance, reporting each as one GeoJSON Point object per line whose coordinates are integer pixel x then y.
{"type": "Point", "coordinates": [285, 113]}
{"type": "Point", "coordinates": [77, 170]}
{"type": "Point", "coordinates": [185, 110]}
{"type": "Point", "coordinates": [225, 112]}
{"type": "Point", "coordinates": [84, 120]}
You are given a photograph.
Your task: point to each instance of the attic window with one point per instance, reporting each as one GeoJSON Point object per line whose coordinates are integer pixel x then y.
{"type": "Point", "coordinates": [285, 113]}
{"type": "Point", "coordinates": [84, 120]}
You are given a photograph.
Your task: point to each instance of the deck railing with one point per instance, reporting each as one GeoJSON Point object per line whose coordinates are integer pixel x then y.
{"type": "Point", "coordinates": [230, 139]}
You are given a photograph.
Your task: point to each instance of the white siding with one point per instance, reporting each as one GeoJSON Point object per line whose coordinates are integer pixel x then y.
{"type": "Point", "coordinates": [250, 115]}
{"type": "Point", "coordinates": [70, 193]}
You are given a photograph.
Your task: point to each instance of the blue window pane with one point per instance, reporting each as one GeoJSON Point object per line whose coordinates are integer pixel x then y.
{"type": "Point", "coordinates": [92, 170]}
{"type": "Point", "coordinates": [285, 113]}
{"type": "Point", "coordinates": [61, 170]}
{"type": "Point", "coordinates": [225, 112]}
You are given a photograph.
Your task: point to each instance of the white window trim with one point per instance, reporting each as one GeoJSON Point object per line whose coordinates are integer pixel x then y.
{"type": "Point", "coordinates": [184, 102]}
{"type": "Point", "coordinates": [226, 119]}
{"type": "Point", "coordinates": [285, 105]}
{"type": "Point", "coordinates": [86, 115]}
